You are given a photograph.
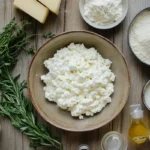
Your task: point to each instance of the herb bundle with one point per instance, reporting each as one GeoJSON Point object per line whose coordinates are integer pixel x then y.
{"type": "Point", "coordinates": [19, 110]}
{"type": "Point", "coordinates": [12, 40]}
{"type": "Point", "coordinates": [13, 103]}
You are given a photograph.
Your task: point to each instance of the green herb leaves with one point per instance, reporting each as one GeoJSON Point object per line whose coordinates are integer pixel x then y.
{"type": "Point", "coordinates": [31, 51]}
{"type": "Point", "coordinates": [19, 110]}
{"type": "Point", "coordinates": [12, 40]}
{"type": "Point", "coordinates": [13, 103]}
{"type": "Point", "coordinates": [48, 35]}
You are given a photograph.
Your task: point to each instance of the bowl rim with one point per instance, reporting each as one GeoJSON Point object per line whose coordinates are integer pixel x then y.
{"type": "Point", "coordinates": [105, 27]}
{"type": "Point", "coordinates": [129, 30]}
{"type": "Point", "coordinates": [90, 128]}
{"type": "Point", "coordinates": [143, 94]}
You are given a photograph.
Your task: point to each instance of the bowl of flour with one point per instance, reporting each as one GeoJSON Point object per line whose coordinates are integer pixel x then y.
{"type": "Point", "coordinates": [139, 37]}
{"type": "Point", "coordinates": [103, 14]}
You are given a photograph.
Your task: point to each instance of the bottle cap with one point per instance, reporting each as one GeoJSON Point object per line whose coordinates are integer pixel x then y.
{"type": "Point", "coordinates": [83, 147]}
{"type": "Point", "coordinates": [113, 141]}
{"type": "Point", "coordinates": [136, 111]}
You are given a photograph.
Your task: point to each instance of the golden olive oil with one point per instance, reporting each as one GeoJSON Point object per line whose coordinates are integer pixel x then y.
{"type": "Point", "coordinates": [138, 132]}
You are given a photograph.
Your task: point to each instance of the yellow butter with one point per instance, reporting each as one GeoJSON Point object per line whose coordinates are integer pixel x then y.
{"type": "Point", "coordinates": [32, 8]}
{"type": "Point", "coordinates": [53, 5]}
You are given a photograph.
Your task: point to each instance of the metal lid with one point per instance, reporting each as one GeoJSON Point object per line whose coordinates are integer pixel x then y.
{"type": "Point", "coordinates": [83, 147]}
{"type": "Point", "coordinates": [113, 141]}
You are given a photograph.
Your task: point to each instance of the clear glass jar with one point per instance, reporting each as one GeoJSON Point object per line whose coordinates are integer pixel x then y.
{"type": "Point", "coordinates": [114, 141]}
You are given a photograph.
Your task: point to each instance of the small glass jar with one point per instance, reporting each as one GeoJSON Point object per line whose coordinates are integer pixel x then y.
{"type": "Point", "coordinates": [114, 141]}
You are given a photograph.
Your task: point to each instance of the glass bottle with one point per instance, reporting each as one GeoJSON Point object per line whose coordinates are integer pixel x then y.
{"type": "Point", "coordinates": [138, 131]}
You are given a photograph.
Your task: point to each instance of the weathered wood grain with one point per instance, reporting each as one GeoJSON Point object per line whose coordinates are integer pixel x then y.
{"type": "Point", "coordinates": [69, 19]}
{"type": "Point", "coordinates": [138, 75]}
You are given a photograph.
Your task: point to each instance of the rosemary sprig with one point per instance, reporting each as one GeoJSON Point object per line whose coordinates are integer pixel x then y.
{"type": "Point", "coordinates": [13, 103]}
{"type": "Point", "coordinates": [15, 106]}
{"type": "Point", "coordinates": [31, 51]}
{"type": "Point", "coordinates": [48, 35]}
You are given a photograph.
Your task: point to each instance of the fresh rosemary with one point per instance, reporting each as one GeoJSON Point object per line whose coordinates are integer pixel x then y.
{"type": "Point", "coordinates": [31, 51]}
{"type": "Point", "coordinates": [15, 106]}
{"type": "Point", "coordinates": [13, 103]}
{"type": "Point", "coordinates": [48, 35]}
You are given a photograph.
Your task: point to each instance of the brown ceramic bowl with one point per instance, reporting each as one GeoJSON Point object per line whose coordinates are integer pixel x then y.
{"type": "Point", "coordinates": [60, 118]}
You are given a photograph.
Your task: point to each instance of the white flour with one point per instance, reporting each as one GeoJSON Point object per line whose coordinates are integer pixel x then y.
{"type": "Point", "coordinates": [103, 11]}
{"type": "Point", "coordinates": [140, 37]}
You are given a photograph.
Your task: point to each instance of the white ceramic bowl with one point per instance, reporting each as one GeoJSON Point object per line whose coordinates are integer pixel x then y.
{"type": "Point", "coordinates": [60, 118]}
{"type": "Point", "coordinates": [144, 94]}
{"type": "Point", "coordinates": [129, 37]}
{"type": "Point", "coordinates": [104, 26]}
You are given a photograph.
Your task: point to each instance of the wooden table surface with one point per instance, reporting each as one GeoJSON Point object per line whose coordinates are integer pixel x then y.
{"type": "Point", "coordinates": [69, 19]}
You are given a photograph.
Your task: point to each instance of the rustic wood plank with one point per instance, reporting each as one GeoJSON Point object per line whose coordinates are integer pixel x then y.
{"type": "Point", "coordinates": [68, 20]}
{"type": "Point", "coordinates": [136, 72]}
{"type": "Point", "coordinates": [3, 121]}
{"type": "Point", "coordinates": [10, 135]}
{"type": "Point", "coordinates": [75, 22]}
{"type": "Point", "coordinates": [55, 25]}
{"type": "Point", "coordinates": [118, 40]}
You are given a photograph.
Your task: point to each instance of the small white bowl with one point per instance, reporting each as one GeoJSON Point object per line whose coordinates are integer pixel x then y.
{"type": "Point", "coordinates": [104, 26]}
{"type": "Point", "coordinates": [144, 94]}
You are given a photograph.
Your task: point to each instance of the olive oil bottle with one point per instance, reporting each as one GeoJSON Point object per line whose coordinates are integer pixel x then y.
{"type": "Point", "coordinates": [138, 131]}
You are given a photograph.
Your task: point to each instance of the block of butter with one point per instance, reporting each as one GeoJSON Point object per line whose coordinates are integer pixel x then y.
{"type": "Point", "coordinates": [32, 8]}
{"type": "Point", "coordinates": [53, 5]}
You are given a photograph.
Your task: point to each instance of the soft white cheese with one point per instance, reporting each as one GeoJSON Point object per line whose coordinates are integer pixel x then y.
{"type": "Point", "coordinates": [79, 80]}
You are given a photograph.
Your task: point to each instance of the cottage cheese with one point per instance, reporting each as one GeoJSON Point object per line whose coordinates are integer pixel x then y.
{"type": "Point", "coordinates": [79, 80]}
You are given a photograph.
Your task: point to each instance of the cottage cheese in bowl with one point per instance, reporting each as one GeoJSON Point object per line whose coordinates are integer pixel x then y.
{"type": "Point", "coordinates": [79, 80]}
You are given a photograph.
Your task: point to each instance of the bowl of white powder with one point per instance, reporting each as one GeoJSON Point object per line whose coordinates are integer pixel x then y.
{"type": "Point", "coordinates": [139, 36]}
{"type": "Point", "coordinates": [103, 14]}
{"type": "Point", "coordinates": [78, 81]}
